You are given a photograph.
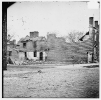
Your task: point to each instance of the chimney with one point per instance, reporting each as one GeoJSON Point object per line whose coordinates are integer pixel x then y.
{"type": "Point", "coordinates": [97, 40]}
{"type": "Point", "coordinates": [91, 19]}
{"type": "Point", "coordinates": [96, 24]}
{"type": "Point", "coordinates": [51, 35]}
{"type": "Point", "coordinates": [34, 34]}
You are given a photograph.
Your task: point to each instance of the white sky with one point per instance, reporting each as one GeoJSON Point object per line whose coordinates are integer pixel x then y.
{"type": "Point", "coordinates": [60, 17]}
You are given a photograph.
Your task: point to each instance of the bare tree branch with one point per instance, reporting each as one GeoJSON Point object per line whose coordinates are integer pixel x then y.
{"type": "Point", "coordinates": [9, 37]}
{"type": "Point", "coordinates": [74, 36]}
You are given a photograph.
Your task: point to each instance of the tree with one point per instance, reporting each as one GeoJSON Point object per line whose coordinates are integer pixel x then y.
{"type": "Point", "coordinates": [9, 37]}
{"type": "Point", "coordinates": [74, 36]}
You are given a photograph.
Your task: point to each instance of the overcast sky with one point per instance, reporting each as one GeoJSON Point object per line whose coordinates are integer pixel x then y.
{"type": "Point", "coordinates": [60, 17]}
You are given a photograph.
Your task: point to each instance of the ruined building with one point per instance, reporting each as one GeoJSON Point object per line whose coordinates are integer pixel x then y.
{"type": "Point", "coordinates": [32, 47]}
{"type": "Point", "coordinates": [40, 48]}
{"type": "Point", "coordinates": [53, 48]}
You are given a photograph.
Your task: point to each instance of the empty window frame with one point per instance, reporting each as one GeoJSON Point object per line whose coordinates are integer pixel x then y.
{"type": "Point", "coordinates": [34, 44]}
{"type": "Point", "coordinates": [24, 45]}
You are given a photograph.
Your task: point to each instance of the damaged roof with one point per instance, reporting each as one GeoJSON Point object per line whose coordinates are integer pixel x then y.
{"type": "Point", "coordinates": [27, 38]}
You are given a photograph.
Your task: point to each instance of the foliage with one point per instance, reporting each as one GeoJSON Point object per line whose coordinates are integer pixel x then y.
{"type": "Point", "coordinates": [74, 36]}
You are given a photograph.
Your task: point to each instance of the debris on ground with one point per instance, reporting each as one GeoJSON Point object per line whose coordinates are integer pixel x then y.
{"type": "Point", "coordinates": [39, 71]}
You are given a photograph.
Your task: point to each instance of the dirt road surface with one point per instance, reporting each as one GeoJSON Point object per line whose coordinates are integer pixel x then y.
{"type": "Point", "coordinates": [51, 82]}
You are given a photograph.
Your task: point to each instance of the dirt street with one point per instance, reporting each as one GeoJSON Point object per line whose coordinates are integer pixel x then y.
{"type": "Point", "coordinates": [51, 82]}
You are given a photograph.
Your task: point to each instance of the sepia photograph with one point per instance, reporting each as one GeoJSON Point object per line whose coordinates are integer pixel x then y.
{"type": "Point", "coordinates": [50, 49]}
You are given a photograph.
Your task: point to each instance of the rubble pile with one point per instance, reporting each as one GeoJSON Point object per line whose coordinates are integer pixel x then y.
{"type": "Point", "coordinates": [16, 61]}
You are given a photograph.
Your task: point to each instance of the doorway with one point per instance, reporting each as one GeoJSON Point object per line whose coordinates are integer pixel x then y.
{"type": "Point", "coordinates": [41, 55]}
{"type": "Point", "coordinates": [35, 53]}
{"type": "Point", "coordinates": [25, 55]}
